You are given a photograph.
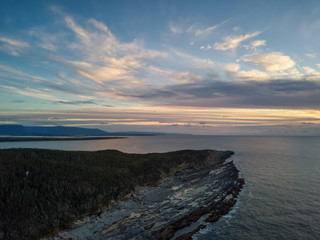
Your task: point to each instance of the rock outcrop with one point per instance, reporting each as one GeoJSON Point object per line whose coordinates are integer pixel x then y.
{"type": "Point", "coordinates": [190, 196]}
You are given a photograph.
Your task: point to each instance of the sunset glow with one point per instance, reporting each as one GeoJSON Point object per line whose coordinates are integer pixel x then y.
{"type": "Point", "coordinates": [200, 67]}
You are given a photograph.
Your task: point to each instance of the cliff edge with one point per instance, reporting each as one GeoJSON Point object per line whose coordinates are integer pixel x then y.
{"type": "Point", "coordinates": [190, 193]}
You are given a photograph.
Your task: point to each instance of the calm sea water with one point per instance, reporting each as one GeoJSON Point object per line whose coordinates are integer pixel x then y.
{"type": "Point", "coordinates": [281, 197]}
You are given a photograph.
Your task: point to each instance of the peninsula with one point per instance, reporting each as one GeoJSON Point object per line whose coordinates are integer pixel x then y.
{"type": "Point", "coordinates": [113, 195]}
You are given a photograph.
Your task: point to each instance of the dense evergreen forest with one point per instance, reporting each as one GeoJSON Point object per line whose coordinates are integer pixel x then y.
{"type": "Point", "coordinates": [42, 191]}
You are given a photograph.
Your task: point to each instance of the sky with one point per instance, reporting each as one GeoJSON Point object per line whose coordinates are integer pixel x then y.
{"type": "Point", "coordinates": [199, 67]}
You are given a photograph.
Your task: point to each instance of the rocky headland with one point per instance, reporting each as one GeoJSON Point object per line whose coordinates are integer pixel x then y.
{"type": "Point", "coordinates": [175, 207]}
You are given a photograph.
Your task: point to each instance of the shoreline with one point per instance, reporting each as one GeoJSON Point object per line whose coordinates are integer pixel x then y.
{"type": "Point", "coordinates": [163, 210]}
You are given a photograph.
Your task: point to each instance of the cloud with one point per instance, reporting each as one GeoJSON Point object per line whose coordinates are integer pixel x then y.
{"type": "Point", "coordinates": [44, 38]}
{"type": "Point", "coordinates": [258, 43]}
{"type": "Point", "coordinates": [195, 32]}
{"type": "Point", "coordinates": [236, 94]}
{"type": "Point", "coordinates": [14, 43]}
{"type": "Point", "coordinates": [196, 62]}
{"type": "Point", "coordinates": [60, 86]}
{"type": "Point", "coordinates": [311, 55]}
{"type": "Point", "coordinates": [233, 70]}
{"type": "Point", "coordinates": [117, 69]}
{"type": "Point", "coordinates": [10, 72]}
{"type": "Point", "coordinates": [99, 25]}
{"type": "Point", "coordinates": [47, 46]}
{"type": "Point", "coordinates": [232, 42]}
{"type": "Point", "coordinates": [77, 102]}
{"type": "Point", "coordinates": [129, 70]}
{"type": "Point", "coordinates": [13, 46]}
{"type": "Point", "coordinates": [111, 71]}
{"type": "Point", "coordinates": [311, 73]}
{"type": "Point", "coordinates": [173, 76]}
{"type": "Point", "coordinates": [106, 60]}
{"type": "Point", "coordinates": [271, 62]}
{"type": "Point", "coordinates": [174, 28]}
{"type": "Point", "coordinates": [208, 47]}
{"type": "Point", "coordinates": [186, 77]}
{"type": "Point", "coordinates": [30, 92]}
{"type": "Point", "coordinates": [294, 73]}
{"type": "Point", "coordinates": [232, 67]}
{"type": "Point", "coordinates": [100, 44]}
{"type": "Point", "coordinates": [205, 32]}
{"type": "Point", "coordinates": [81, 33]}
{"type": "Point", "coordinates": [200, 31]}
{"type": "Point", "coordinates": [253, 74]}
{"type": "Point", "coordinates": [310, 70]}
{"type": "Point", "coordinates": [162, 118]}
{"type": "Point", "coordinates": [89, 68]}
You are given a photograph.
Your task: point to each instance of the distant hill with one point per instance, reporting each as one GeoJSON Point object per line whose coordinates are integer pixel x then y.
{"type": "Point", "coordinates": [19, 130]}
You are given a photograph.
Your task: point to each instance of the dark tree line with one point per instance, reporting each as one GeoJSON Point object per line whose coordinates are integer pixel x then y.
{"type": "Point", "coordinates": [42, 191]}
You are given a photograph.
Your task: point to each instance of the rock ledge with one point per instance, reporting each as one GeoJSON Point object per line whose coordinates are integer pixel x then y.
{"type": "Point", "coordinates": [161, 210]}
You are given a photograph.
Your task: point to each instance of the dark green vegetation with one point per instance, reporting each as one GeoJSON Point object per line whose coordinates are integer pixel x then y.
{"type": "Point", "coordinates": [44, 190]}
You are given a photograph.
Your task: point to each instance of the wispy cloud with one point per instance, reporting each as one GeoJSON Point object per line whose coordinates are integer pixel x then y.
{"type": "Point", "coordinates": [196, 62]}
{"type": "Point", "coordinates": [99, 25]}
{"type": "Point", "coordinates": [45, 39]}
{"type": "Point", "coordinates": [10, 72]}
{"type": "Point", "coordinates": [311, 55]}
{"type": "Point", "coordinates": [80, 32]}
{"type": "Point", "coordinates": [77, 102]}
{"type": "Point", "coordinates": [200, 31]}
{"type": "Point", "coordinates": [111, 71]}
{"type": "Point", "coordinates": [175, 28]}
{"type": "Point", "coordinates": [232, 42]}
{"type": "Point", "coordinates": [173, 76]}
{"type": "Point", "coordinates": [105, 58]}
{"type": "Point", "coordinates": [17, 80]}
{"type": "Point", "coordinates": [34, 93]}
{"type": "Point", "coordinates": [13, 46]}
{"type": "Point", "coordinates": [197, 32]}
{"type": "Point", "coordinates": [257, 43]}
{"type": "Point", "coordinates": [14, 43]}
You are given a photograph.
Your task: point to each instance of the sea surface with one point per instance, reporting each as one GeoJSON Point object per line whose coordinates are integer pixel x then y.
{"type": "Point", "coordinates": [281, 197]}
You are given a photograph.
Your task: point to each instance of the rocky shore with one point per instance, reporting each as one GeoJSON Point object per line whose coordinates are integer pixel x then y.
{"type": "Point", "coordinates": [176, 207]}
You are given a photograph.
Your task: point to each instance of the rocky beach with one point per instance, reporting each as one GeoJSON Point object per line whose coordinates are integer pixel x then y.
{"type": "Point", "coordinates": [175, 207]}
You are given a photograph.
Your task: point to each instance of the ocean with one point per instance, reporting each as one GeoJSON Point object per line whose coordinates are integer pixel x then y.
{"type": "Point", "coordinates": [281, 197]}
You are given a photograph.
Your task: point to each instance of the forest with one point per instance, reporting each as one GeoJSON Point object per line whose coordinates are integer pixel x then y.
{"type": "Point", "coordinates": [42, 191]}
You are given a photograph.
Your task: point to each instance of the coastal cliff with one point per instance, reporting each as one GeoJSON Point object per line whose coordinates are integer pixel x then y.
{"type": "Point", "coordinates": [159, 211]}
{"type": "Point", "coordinates": [113, 195]}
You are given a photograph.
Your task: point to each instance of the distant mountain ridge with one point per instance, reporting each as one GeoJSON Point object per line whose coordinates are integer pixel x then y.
{"type": "Point", "coordinates": [20, 130]}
